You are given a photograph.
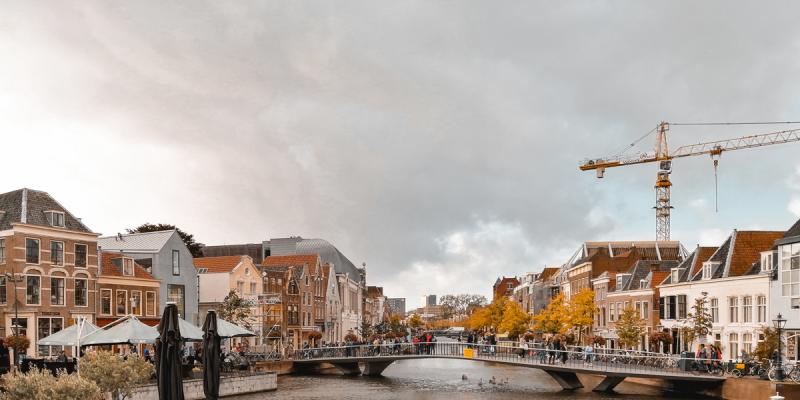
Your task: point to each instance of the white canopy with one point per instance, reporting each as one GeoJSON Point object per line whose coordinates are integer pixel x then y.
{"type": "Point", "coordinates": [190, 332]}
{"type": "Point", "coordinates": [226, 329]}
{"type": "Point", "coordinates": [127, 330]}
{"type": "Point", "coordinates": [68, 336]}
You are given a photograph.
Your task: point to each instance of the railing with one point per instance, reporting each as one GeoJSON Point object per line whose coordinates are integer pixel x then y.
{"type": "Point", "coordinates": [612, 361]}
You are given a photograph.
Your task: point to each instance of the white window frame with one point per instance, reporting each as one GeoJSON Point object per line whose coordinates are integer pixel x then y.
{"type": "Point", "coordinates": [39, 246]}
{"type": "Point", "coordinates": [51, 214]}
{"type": "Point", "coordinates": [128, 262]}
{"type": "Point", "coordinates": [747, 309]}
{"type": "Point", "coordinates": [26, 290]}
{"type": "Point", "coordinates": [176, 262]}
{"type": "Point", "coordinates": [733, 309]}
{"type": "Point", "coordinates": [75, 290]}
{"type": "Point", "coordinates": [64, 291]}
{"type": "Point", "coordinates": [789, 287]}
{"type": "Point", "coordinates": [714, 306]}
{"type": "Point", "coordinates": [116, 299]}
{"type": "Point", "coordinates": [110, 301]}
{"type": "Point", "coordinates": [75, 255]}
{"type": "Point", "coordinates": [63, 252]}
{"type": "Point", "coordinates": [147, 302]}
{"type": "Point", "coordinates": [2, 250]}
{"type": "Point", "coordinates": [761, 305]}
{"type": "Point", "coordinates": [141, 309]}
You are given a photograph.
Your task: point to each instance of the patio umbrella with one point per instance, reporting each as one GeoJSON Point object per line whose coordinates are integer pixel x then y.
{"type": "Point", "coordinates": [69, 336]}
{"type": "Point", "coordinates": [189, 332]}
{"type": "Point", "coordinates": [168, 355]}
{"type": "Point", "coordinates": [211, 357]}
{"type": "Point", "coordinates": [127, 330]}
{"type": "Point", "coordinates": [226, 329]}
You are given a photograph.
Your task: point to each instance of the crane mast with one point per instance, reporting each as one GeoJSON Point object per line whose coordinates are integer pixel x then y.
{"type": "Point", "coordinates": [664, 157]}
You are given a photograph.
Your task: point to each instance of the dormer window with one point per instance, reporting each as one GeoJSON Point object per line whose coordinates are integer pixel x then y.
{"type": "Point", "coordinates": [55, 218]}
{"type": "Point", "coordinates": [708, 269]}
{"type": "Point", "coordinates": [675, 275]}
{"type": "Point", "coordinates": [766, 261]}
{"type": "Point", "coordinates": [127, 266]}
{"type": "Point", "coordinates": [642, 283]}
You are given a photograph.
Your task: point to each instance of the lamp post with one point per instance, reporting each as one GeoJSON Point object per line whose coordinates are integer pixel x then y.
{"type": "Point", "coordinates": [15, 326]}
{"type": "Point", "coordinates": [779, 324]}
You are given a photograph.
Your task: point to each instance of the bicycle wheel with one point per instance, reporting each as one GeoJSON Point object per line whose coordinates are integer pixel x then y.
{"type": "Point", "coordinates": [771, 374]}
{"type": "Point", "coordinates": [794, 375]}
{"type": "Point", "coordinates": [737, 373]}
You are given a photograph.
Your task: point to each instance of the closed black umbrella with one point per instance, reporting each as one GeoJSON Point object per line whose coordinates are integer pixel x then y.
{"type": "Point", "coordinates": [168, 356]}
{"type": "Point", "coordinates": [211, 357]}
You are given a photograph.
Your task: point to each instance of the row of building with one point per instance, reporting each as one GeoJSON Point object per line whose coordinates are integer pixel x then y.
{"type": "Point", "coordinates": [54, 270]}
{"type": "Point", "coordinates": [747, 280]}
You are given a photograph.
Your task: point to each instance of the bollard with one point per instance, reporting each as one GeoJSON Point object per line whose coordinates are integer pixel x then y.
{"type": "Point", "coordinates": [776, 397]}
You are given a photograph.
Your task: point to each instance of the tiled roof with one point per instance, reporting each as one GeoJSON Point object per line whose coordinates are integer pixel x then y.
{"type": "Point", "coordinates": [747, 249]}
{"type": "Point", "coordinates": [222, 264]}
{"type": "Point", "coordinates": [642, 269]}
{"type": "Point", "coordinates": [309, 260]}
{"type": "Point", "coordinates": [110, 268]}
{"type": "Point", "coordinates": [148, 242]}
{"type": "Point", "coordinates": [34, 203]}
{"type": "Point", "coordinates": [547, 273]}
{"type": "Point", "coordinates": [657, 277]}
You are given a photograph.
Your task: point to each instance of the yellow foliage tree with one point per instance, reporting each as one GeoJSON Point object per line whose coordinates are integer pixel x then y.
{"type": "Point", "coordinates": [515, 320]}
{"type": "Point", "coordinates": [554, 318]}
{"type": "Point", "coordinates": [489, 317]}
{"type": "Point", "coordinates": [581, 309]}
{"type": "Point", "coordinates": [629, 328]}
{"type": "Point", "coordinates": [415, 321]}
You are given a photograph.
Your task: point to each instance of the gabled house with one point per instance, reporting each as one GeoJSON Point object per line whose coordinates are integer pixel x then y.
{"type": "Point", "coordinates": [504, 287]}
{"type": "Point", "coordinates": [164, 256]}
{"type": "Point", "coordinates": [218, 276]}
{"type": "Point", "coordinates": [782, 263]}
{"type": "Point", "coordinates": [125, 288]}
{"type": "Point", "coordinates": [736, 288]}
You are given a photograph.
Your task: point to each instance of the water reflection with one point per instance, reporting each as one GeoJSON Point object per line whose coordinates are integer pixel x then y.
{"type": "Point", "coordinates": [441, 379]}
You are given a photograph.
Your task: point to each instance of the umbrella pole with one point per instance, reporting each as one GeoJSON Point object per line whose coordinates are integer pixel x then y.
{"type": "Point", "coordinates": [78, 356]}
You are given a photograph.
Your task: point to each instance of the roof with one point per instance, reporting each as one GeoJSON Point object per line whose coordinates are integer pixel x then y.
{"type": "Point", "coordinates": [328, 253]}
{"type": "Point", "coordinates": [110, 268]}
{"type": "Point", "coordinates": [792, 235]}
{"type": "Point", "coordinates": [309, 260]}
{"type": "Point", "coordinates": [254, 250]}
{"type": "Point", "coordinates": [547, 273]}
{"type": "Point", "coordinates": [28, 206]}
{"type": "Point", "coordinates": [691, 265]}
{"type": "Point", "coordinates": [147, 242]}
{"type": "Point", "coordinates": [643, 270]}
{"type": "Point", "coordinates": [747, 249]}
{"type": "Point", "coordinates": [222, 264]}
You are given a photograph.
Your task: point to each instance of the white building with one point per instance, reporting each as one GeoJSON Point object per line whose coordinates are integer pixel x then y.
{"type": "Point", "coordinates": [736, 286]}
{"type": "Point", "coordinates": [784, 293]}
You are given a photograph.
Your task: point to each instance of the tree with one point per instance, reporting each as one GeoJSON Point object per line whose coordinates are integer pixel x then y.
{"type": "Point", "coordinates": [629, 327]}
{"type": "Point", "coordinates": [554, 319]}
{"type": "Point", "coordinates": [698, 322]}
{"type": "Point", "coordinates": [581, 311]}
{"type": "Point", "coordinates": [660, 341]}
{"type": "Point", "coordinates": [515, 320]}
{"type": "Point", "coordinates": [188, 239]}
{"type": "Point", "coordinates": [414, 321]}
{"type": "Point", "coordinates": [766, 347]}
{"type": "Point", "coordinates": [115, 375]}
{"type": "Point", "coordinates": [459, 304]}
{"type": "Point", "coordinates": [236, 310]}
{"type": "Point", "coordinates": [42, 385]}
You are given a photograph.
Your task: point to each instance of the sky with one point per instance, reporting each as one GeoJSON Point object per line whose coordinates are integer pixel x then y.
{"type": "Point", "coordinates": [436, 141]}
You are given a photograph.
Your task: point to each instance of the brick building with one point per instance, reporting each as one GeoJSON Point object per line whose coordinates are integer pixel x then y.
{"type": "Point", "coordinates": [125, 288]}
{"type": "Point", "coordinates": [504, 287]}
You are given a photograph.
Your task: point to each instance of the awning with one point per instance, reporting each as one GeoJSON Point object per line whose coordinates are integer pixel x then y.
{"type": "Point", "coordinates": [189, 332]}
{"type": "Point", "coordinates": [69, 335]}
{"type": "Point", "coordinates": [226, 329]}
{"type": "Point", "coordinates": [127, 330]}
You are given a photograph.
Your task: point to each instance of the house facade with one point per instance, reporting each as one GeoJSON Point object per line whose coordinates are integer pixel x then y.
{"type": "Point", "coordinates": [783, 264]}
{"type": "Point", "coordinates": [49, 266]}
{"type": "Point", "coordinates": [125, 288]}
{"type": "Point", "coordinates": [504, 287]}
{"type": "Point", "coordinates": [163, 255]}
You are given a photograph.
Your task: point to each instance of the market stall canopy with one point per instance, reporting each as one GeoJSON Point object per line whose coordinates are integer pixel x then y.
{"type": "Point", "coordinates": [226, 329]}
{"type": "Point", "coordinates": [126, 330]}
{"type": "Point", "coordinates": [69, 336]}
{"type": "Point", "coordinates": [189, 332]}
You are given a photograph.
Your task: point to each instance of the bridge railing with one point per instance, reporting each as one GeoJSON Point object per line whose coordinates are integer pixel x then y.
{"type": "Point", "coordinates": [614, 362]}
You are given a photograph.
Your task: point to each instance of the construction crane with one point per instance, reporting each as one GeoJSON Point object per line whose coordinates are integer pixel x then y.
{"type": "Point", "coordinates": [664, 157]}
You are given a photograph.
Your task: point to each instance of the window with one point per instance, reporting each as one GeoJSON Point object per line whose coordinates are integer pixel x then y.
{"type": "Point", "coordinates": [790, 269]}
{"type": "Point", "coordinates": [715, 310]}
{"type": "Point", "coordinates": [150, 304]}
{"type": "Point", "coordinates": [638, 307]}
{"type": "Point", "coordinates": [136, 302]}
{"type": "Point", "coordinates": [80, 255]}
{"type": "Point", "coordinates": [733, 309]}
{"type": "Point", "coordinates": [761, 307]}
{"type": "Point", "coordinates": [127, 266]}
{"type": "Point", "coordinates": [682, 306]}
{"type": "Point", "coordinates": [766, 261]}
{"type": "Point", "coordinates": [612, 316]}
{"type": "Point", "coordinates": [177, 294]}
{"type": "Point", "coordinates": [747, 343]}
{"type": "Point", "coordinates": [32, 251]}
{"type": "Point", "coordinates": [252, 288]}
{"type": "Point", "coordinates": [645, 309]}
{"type": "Point", "coordinates": [3, 289]}
{"type": "Point", "coordinates": [105, 302]}
{"type": "Point", "coordinates": [247, 272]}
{"type": "Point", "coordinates": [47, 326]}
{"type": "Point", "coordinates": [308, 283]}
{"type": "Point", "coordinates": [733, 345]}
{"type": "Point", "coordinates": [32, 290]}
{"type": "Point", "coordinates": [675, 275]}
{"type": "Point", "coordinates": [56, 253]}
{"type": "Point", "coordinates": [122, 302]}
{"type": "Point", "coordinates": [2, 251]}
{"type": "Point", "coordinates": [240, 287]}
{"type": "Point", "coordinates": [707, 270]}
{"type": "Point", "coordinates": [55, 218]}
{"type": "Point", "coordinates": [176, 262]}
{"type": "Point", "coordinates": [81, 292]}
{"type": "Point", "coordinates": [747, 309]}
{"type": "Point", "coordinates": [57, 286]}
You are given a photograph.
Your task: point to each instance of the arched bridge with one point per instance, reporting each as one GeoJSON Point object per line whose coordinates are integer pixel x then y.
{"type": "Point", "coordinates": [562, 366]}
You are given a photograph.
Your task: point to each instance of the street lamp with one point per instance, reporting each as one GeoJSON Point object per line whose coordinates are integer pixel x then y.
{"type": "Point", "coordinates": [15, 326]}
{"type": "Point", "coordinates": [779, 324]}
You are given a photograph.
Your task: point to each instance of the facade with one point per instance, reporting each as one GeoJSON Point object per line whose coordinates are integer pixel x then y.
{"type": "Point", "coordinates": [125, 288]}
{"type": "Point", "coordinates": [504, 287]}
{"type": "Point", "coordinates": [333, 308]}
{"type": "Point", "coordinates": [782, 264]}
{"type": "Point", "coordinates": [397, 306]}
{"type": "Point", "coordinates": [735, 285]}
{"type": "Point", "coordinates": [218, 276]}
{"type": "Point", "coordinates": [523, 293]}
{"type": "Point", "coordinates": [543, 289]}
{"type": "Point", "coordinates": [374, 306]}
{"type": "Point", "coordinates": [164, 255]}
{"type": "Point", "coordinates": [49, 265]}
{"type": "Point", "coordinates": [428, 300]}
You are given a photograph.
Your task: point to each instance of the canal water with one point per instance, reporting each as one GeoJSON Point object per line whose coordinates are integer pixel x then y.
{"type": "Point", "coordinates": [441, 379]}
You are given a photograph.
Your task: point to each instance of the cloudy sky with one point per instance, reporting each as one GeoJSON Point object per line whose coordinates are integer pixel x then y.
{"type": "Point", "coordinates": [437, 141]}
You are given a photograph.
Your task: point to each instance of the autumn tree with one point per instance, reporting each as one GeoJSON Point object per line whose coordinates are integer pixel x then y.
{"type": "Point", "coordinates": [188, 239]}
{"type": "Point", "coordinates": [236, 310]}
{"type": "Point", "coordinates": [515, 320]}
{"type": "Point", "coordinates": [630, 327]}
{"type": "Point", "coordinates": [698, 322]}
{"type": "Point", "coordinates": [581, 309]}
{"type": "Point", "coordinates": [554, 318]}
{"type": "Point", "coordinates": [414, 321]}
{"type": "Point", "coordinates": [766, 347]}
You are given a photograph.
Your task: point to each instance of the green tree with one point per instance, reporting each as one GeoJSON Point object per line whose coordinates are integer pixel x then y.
{"type": "Point", "coordinates": [458, 304]}
{"type": "Point", "coordinates": [554, 319]}
{"type": "Point", "coordinates": [236, 310]}
{"type": "Point", "coordinates": [581, 310]}
{"type": "Point", "coordinates": [188, 239]}
{"type": "Point", "coordinates": [115, 375]}
{"type": "Point", "coordinates": [698, 322]}
{"type": "Point", "coordinates": [630, 327]}
{"type": "Point", "coordinates": [766, 347]}
{"type": "Point", "coordinates": [515, 320]}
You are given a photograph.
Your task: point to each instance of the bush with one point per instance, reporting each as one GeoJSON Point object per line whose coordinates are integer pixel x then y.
{"type": "Point", "coordinates": [42, 385]}
{"type": "Point", "coordinates": [19, 343]}
{"type": "Point", "coordinates": [115, 375]}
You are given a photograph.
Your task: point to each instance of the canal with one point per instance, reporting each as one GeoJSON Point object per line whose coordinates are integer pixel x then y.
{"type": "Point", "coordinates": [441, 379]}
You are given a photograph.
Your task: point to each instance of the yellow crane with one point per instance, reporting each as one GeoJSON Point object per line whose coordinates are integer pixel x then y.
{"type": "Point", "coordinates": [664, 157]}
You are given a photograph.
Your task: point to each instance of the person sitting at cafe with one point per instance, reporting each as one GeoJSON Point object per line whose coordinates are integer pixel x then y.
{"type": "Point", "coordinates": [62, 357]}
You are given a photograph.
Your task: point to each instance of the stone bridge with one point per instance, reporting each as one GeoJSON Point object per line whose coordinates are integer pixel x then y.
{"type": "Point", "coordinates": [614, 367]}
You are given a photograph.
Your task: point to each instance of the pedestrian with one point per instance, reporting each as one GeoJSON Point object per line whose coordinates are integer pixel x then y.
{"type": "Point", "coordinates": [588, 353]}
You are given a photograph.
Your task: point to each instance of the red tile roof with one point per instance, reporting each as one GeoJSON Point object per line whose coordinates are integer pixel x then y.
{"type": "Point", "coordinates": [222, 264]}
{"type": "Point", "coordinates": [287, 261]}
{"type": "Point", "coordinates": [658, 277]}
{"type": "Point", "coordinates": [703, 254]}
{"type": "Point", "coordinates": [547, 273]}
{"type": "Point", "coordinates": [747, 249]}
{"type": "Point", "coordinates": [108, 268]}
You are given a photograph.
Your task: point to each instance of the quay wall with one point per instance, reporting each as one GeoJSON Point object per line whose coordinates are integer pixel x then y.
{"type": "Point", "coordinates": [228, 386]}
